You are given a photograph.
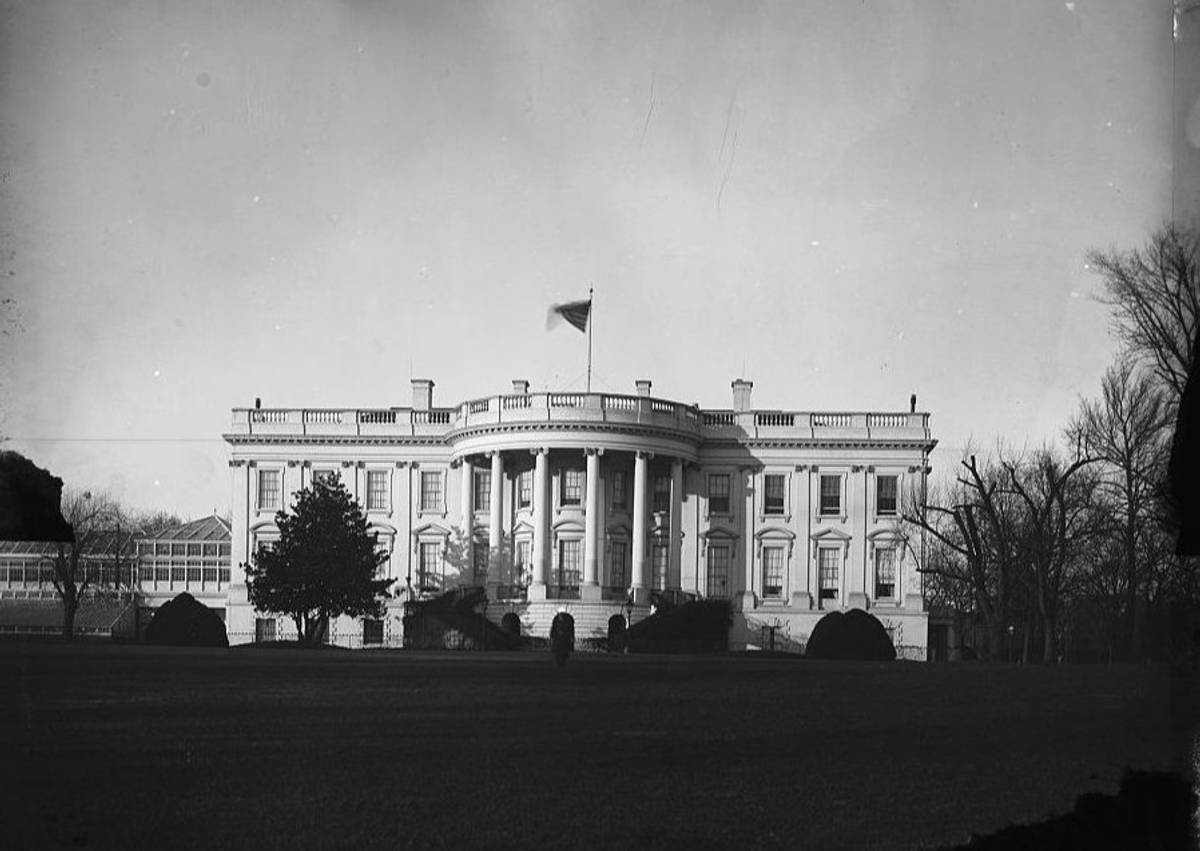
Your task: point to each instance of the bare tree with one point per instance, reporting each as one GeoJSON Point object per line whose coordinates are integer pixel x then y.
{"type": "Point", "coordinates": [1154, 292]}
{"type": "Point", "coordinates": [1127, 431]}
{"type": "Point", "coordinates": [92, 517]}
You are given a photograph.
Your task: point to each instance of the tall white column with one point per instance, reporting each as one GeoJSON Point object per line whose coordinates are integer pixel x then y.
{"type": "Point", "coordinates": [638, 588]}
{"type": "Point", "coordinates": [467, 512]}
{"type": "Point", "coordinates": [590, 590]}
{"type": "Point", "coordinates": [676, 542]}
{"type": "Point", "coordinates": [541, 521]}
{"type": "Point", "coordinates": [495, 519]}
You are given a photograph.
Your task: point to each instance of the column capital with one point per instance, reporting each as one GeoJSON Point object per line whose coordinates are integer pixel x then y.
{"type": "Point", "coordinates": [540, 450]}
{"type": "Point", "coordinates": [641, 453]}
{"type": "Point", "coordinates": [594, 450]}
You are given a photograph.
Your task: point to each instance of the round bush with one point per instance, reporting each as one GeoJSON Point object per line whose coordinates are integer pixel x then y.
{"type": "Point", "coordinates": [511, 624]}
{"type": "Point", "coordinates": [186, 622]}
{"type": "Point", "coordinates": [616, 634]}
{"type": "Point", "coordinates": [854, 635]}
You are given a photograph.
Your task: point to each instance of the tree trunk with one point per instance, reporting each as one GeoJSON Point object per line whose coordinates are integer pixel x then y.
{"type": "Point", "coordinates": [70, 607]}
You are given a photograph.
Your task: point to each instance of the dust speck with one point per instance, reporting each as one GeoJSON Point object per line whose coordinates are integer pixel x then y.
{"type": "Point", "coordinates": [203, 79]}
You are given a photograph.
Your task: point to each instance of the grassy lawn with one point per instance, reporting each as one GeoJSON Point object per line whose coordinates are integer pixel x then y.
{"type": "Point", "coordinates": [131, 746]}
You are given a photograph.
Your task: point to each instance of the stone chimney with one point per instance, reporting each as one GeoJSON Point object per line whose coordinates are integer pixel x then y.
{"type": "Point", "coordinates": [643, 386]}
{"type": "Point", "coordinates": [912, 403]}
{"type": "Point", "coordinates": [741, 394]}
{"type": "Point", "coordinates": [422, 394]}
{"type": "Point", "coordinates": [520, 386]}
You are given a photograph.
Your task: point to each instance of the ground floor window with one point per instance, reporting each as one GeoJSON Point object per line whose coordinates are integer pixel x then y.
{"type": "Point", "coordinates": [569, 562]}
{"type": "Point", "coordinates": [264, 629]}
{"type": "Point", "coordinates": [717, 584]}
{"type": "Point", "coordinates": [372, 631]}
{"type": "Point", "coordinates": [885, 573]}
{"type": "Point", "coordinates": [429, 566]}
{"type": "Point", "coordinates": [828, 567]}
{"type": "Point", "coordinates": [772, 560]}
{"type": "Point", "coordinates": [522, 564]}
{"type": "Point", "coordinates": [479, 559]}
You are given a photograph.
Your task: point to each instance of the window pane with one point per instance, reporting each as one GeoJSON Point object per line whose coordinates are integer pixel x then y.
{"type": "Point", "coordinates": [431, 491]}
{"type": "Point", "coordinates": [483, 490]}
{"type": "Point", "coordinates": [773, 572]}
{"type": "Point", "coordinates": [568, 563]}
{"type": "Point", "coordinates": [885, 573]}
{"type": "Point", "coordinates": [662, 493]}
{"type": "Point", "coordinates": [885, 494]}
{"type": "Point", "coordinates": [718, 493]}
{"type": "Point", "coordinates": [572, 487]}
{"type": "Point", "coordinates": [268, 489]}
{"type": "Point", "coordinates": [829, 559]}
{"type": "Point", "coordinates": [619, 492]}
{"type": "Point", "coordinates": [525, 489]}
{"type": "Point", "coordinates": [718, 571]}
{"type": "Point", "coordinates": [616, 564]}
{"type": "Point", "coordinates": [831, 494]}
{"type": "Point", "coordinates": [194, 549]}
{"type": "Point", "coordinates": [773, 489]}
{"type": "Point", "coordinates": [429, 569]}
{"type": "Point", "coordinates": [377, 490]}
{"type": "Point", "coordinates": [659, 561]}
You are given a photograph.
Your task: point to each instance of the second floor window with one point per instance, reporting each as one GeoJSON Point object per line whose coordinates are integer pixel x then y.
{"type": "Point", "coordinates": [268, 489]}
{"type": "Point", "coordinates": [572, 487]}
{"type": "Point", "coordinates": [773, 494]}
{"type": "Point", "coordinates": [483, 490]}
{"type": "Point", "coordinates": [885, 495]}
{"type": "Point", "coordinates": [718, 493]}
{"type": "Point", "coordinates": [662, 493]}
{"type": "Point", "coordinates": [620, 493]}
{"type": "Point", "coordinates": [377, 490]}
{"type": "Point", "coordinates": [831, 494]}
{"type": "Point", "coordinates": [431, 491]}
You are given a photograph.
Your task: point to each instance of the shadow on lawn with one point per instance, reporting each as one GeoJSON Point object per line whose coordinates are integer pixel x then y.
{"type": "Point", "coordinates": [1153, 810]}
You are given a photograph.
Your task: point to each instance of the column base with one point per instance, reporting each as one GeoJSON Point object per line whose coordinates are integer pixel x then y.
{"type": "Point", "coordinates": [590, 594]}
{"type": "Point", "coordinates": [640, 596]}
{"type": "Point", "coordinates": [536, 592]}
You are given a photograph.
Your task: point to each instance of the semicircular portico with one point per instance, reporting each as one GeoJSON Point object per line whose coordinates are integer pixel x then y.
{"type": "Point", "coordinates": [524, 438]}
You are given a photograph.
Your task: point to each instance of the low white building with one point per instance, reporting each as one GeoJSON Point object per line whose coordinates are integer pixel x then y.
{"type": "Point", "coordinates": [595, 503]}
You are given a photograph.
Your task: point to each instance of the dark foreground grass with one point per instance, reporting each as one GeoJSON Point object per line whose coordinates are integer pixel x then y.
{"type": "Point", "coordinates": [155, 747]}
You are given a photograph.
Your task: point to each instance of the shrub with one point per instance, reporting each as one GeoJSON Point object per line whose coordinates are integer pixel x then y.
{"type": "Point", "coordinates": [453, 621]}
{"type": "Point", "coordinates": [701, 626]}
{"type": "Point", "coordinates": [186, 622]}
{"type": "Point", "coordinates": [616, 634]}
{"type": "Point", "coordinates": [854, 635]}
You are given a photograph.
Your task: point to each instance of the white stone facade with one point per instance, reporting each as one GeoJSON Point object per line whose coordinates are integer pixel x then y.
{"type": "Point", "coordinates": [595, 502]}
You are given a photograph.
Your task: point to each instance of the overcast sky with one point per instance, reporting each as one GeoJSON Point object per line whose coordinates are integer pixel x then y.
{"type": "Point", "coordinates": [313, 202]}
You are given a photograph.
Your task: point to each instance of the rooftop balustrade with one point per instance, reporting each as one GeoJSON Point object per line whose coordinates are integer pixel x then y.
{"type": "Point", "coordinates": [599, 408]}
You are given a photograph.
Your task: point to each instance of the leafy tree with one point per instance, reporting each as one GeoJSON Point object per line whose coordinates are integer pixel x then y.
{"type": "Point", "coordinates": [324, 564]}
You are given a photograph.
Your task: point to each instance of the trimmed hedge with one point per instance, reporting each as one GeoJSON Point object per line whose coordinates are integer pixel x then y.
{"type": "Point", "coordinates": [186, 622]}
{"type": "Point", "coordinates": [429, 624]}
{"type": "Point", "coordinates": [852, 635]}
{"type": "Point", "coordinates": [701, 626]}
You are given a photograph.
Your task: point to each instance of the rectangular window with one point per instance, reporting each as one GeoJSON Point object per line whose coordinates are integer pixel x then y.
{"type": "Point", "coordinates": [522, 562]}
{"type": "Point", "coordinates": [828, 569]}
{"type": "Point", "coordinates": [162, 549]}
{"type": "Point", "coordinates": [483, 490]}
{"type": "Point", "coordinates": [377, 490]}
{"type": "Point", "coordinates": [525, 489]}
{"type": "Point", "coordinates": [718, 493]}
{"type": "Point", "coordinates": [617, 554]}
{"type": "Point", "coordinates": [177, 575]}
{"type": "Point", "coordinates": [210, 575]}
{"type": "Point", "coordinates": [223, 550]}
{"type": "Point", "coordinates": [773, 494]}
{"type": "Point", "coordinates": [620, 493]}
{"type": "Point", "coordinates": [885, 495]}
{"type": "Point", "coordinates": [571, 487]}
{"type": "Point", "coordinates": [16, 573]}
{"type": "Point", "coordinates": [885, 574]}
{"type": "Point", "coordinates": [268, 490]}
{"type": "Point", "coordinates": [430, 568]}
{"type": "Point", "coordinates": [210, 550]}
{"type": "Point", "coordinates": [162, 573]}
{"type": "Point", "coordinates": [372, 631]}
{"type": "Point", "coordinates": [264, 629]}
{"type": "Point", "coordinates": [772, 558]}
{"type": "Point", "coordinates": [831, 495]}
{"type": "Point", "coordinates": [569, 560]}
{"type": "Point", "coordinates": [662, 493]}
{"type": "Point", "coordinates": [179, 550]}
{"type": "Point", "coordinates": [431, 491]}
{"type": "Point", "coordinates": [223, 575]}
{"type": "Point", "coordinates": [145, 548]}
{"type": "Point", "coordinates": [193, 574]}
{"type": "Point", "coordinates": [195, 550]}
{"type": "Point", "coordinates": [660, 564]}
{"type": "Point", "coordinates": [718, 570]}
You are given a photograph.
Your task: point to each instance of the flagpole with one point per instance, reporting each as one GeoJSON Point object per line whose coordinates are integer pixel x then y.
{"type": "Point", "coordinates": [591, 319]}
